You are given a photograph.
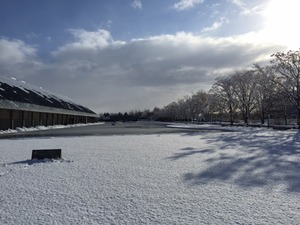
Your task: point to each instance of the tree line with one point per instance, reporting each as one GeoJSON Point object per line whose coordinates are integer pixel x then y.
{"type": "Point", "coordinates": [260, 94]}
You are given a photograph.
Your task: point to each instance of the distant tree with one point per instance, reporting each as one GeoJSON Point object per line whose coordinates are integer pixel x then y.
{"type": "Point", "coordinates": [126, 117]}
{"type": "Point", "coordinates": [104, 117]}
{"type": "Point", "coordinates": [286, 66]}
{"type": "Point", "coordinates": [171, 111]}
{"type": "Point", "coordinates": [223, 88]}
{"type": "Point", "coordinates": [244, 87]}
{"type": "Point", "coordinates": [200, 104]}
{"type": "Point", "coordinates": [106, 114]}
{"type": "Point", "coordinates": [146, 115]}
{"type": "Point", "coordinates": [217, 106]}
{"type": "Point", "coordinates": [266, 91]}
{"type": "Point", "coordinates": [183, 108]}
{"type": "Point", "coordinates": [157, 113]}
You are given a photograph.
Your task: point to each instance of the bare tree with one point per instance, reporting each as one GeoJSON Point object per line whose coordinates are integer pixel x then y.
{"type": "Point", "coordinates": [265, 92]}
{"type": "Point", "coordinates": [172, 111]}
{"type": "Point", "coordinates": [184, 108]}
{"type": "Point", "coordinates": [224, 89]}
{"type": "Point", "coordinates": [287, 71]}
{"type": "Point", "coordinates": [217, 106]}
{"type": "Point", "coordinates": [200, 104]}
{"type": "Point", "coordinates": [244, 87]}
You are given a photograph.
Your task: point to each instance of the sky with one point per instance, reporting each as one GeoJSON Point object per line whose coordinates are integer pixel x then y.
{"type": "Point", "coordinates": [123, 55]}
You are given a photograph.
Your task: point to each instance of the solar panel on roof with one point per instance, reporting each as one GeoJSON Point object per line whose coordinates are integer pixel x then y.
{"type": "Point", "coordinates": [21, 95]}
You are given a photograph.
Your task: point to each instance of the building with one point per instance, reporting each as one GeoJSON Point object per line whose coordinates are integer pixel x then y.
{"type": "Point", "coordinates": [24, 105]}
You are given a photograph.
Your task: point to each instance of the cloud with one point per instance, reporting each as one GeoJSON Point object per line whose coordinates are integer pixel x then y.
{"type": "Point", "coordinates": [33, 35]}
{"type": "Point", "coordinates": [109, 23]}
{"type": "Point", "coordinates": [256, 10]}
{"type": "Point", "coordinates": [239, 3]}
{"type": "Point", "coordinates": [248, 10]}
{"type": "Point", "coordinates": [137, 4]}
{"type": "Point", "coordinates": [186, 4]}
{"type": "Point", "coordinates": [18, 57]}
{"type": "Point", "coordinates": [111, 75]}
{"type": "Point", "coordinates": [15, 51]}
{"type": "Point", "coordinates": [88, 39]}
{"type": "Point", "coordinates": [215, 26]}
{"type": "Point", "coordinates": [214, 9]}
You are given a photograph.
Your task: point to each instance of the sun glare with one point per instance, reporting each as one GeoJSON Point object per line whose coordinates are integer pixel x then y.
{"type": "Point", "coordinates": [282, 22]}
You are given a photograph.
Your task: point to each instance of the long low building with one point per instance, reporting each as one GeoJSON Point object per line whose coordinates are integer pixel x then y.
{"type": "Point", "coordinates": [24, 105]}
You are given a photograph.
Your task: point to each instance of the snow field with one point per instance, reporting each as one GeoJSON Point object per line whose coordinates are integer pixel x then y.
{"type": "Point", "coordinates": [242, 177]}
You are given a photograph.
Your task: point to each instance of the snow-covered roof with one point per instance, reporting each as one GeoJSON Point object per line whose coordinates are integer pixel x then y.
{"type": "Point", "coordinates": [19, 95]}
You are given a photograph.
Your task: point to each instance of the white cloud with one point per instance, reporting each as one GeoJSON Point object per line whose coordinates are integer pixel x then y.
{"type": "Point", "coordinates": [254, 10]}
{"type": "Point", "coordinates": [137, 4]}
{"type": "Point", "coordinates": [18, 58]}
{"type": "Point", "coordinates": [215, 26]}
{"type": "Point", "coordinates": [109, 23]}
{"type": "Point", "coordinates": [239, 3]}
{"type": "Point", "coordinates": [15, 51]}
{"type": "Point", "coordinates": [32, 35]}
{"type": "Point", "coordinates": [248, 10]}
{"type": "Point", "coordinates": [215, 10]}
{"type": "Point", "coordinates": [88, 40]}
{"type": "Point", "coordinates": [108, 75]}
{"type": "Point", "coordinates": [186, 4]}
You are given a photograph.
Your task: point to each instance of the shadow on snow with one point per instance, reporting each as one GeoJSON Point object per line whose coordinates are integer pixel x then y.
{"type": "Point", "coordinates": [249, 159]}
{"type": "Point", "coordinates": [188, 152]}
{"type": "Point", "coordinates": [38, 161]}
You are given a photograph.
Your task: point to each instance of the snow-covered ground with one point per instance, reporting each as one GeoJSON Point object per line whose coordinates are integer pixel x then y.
{"type": "Point", "coordinates": [249, 176]}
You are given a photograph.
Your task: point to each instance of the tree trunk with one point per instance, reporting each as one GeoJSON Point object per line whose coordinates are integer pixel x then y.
{"type": "Point", "coordinates": [231, 115]}
{"type": "Point", "coordinates": [262, 118]}
{"type": "Point", "coordinates": [245, 117]}
{"type": "Point", "coordinates": [298, 119]}
{"type": "Point", "coordinates": [285, 119]}
{"type": "Point", "coordinates": [246, 120]}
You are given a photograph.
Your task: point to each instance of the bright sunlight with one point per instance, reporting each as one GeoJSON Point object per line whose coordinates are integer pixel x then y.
{"type": "Point", "coordinates": [282, 22]}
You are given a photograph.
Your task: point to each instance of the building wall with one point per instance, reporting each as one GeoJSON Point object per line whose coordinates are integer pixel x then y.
{"type": "Point", "coordinates": [17, 119]}
{"type": "Point", "coordinates": [11, 119]}
{"type": "Point", "coordinates": [5, 120]}
{"type": "Point", "coordinates": [27, 119]}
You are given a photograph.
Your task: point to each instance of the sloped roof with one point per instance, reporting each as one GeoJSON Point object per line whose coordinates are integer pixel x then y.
{"type": "Point", "coordinates": [20, 95]}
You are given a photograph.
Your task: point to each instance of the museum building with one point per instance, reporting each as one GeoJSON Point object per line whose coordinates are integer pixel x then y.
{"type": "Point", "coordinates": [24, 105]}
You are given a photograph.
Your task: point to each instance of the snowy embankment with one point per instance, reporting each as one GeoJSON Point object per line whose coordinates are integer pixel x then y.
{"type": "Point", "coordinates": [242, 177]}
{"type": "Point", "coordinates": [37, 128]}
{"type": "Point", "coordinates": [216, 127]}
